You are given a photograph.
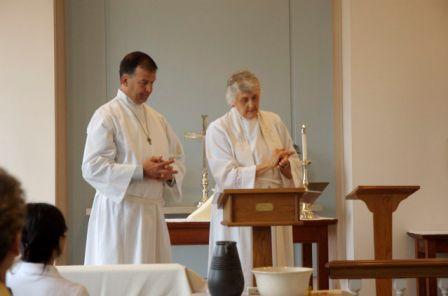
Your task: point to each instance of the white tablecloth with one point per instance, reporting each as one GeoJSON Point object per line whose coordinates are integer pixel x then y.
{"type": "Point", "coordinates": [133, 280]}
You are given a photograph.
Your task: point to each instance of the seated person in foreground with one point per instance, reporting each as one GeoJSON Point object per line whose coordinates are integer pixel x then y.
{"type": "Point", "coordinates": [12, 218]}
{"type": "Point", "coordinates": [43, 239]}
{"type": "Point", "coordinates": [249, 148]}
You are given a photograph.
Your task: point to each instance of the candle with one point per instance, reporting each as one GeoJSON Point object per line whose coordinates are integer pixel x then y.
{"type": "Point", "coordinates": [304, 149]}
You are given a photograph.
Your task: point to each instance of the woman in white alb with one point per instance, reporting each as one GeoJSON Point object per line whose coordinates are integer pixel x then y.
{"type": "Point", "coordinates": [43, 239]}
{"type": "Point", "coordinates": [250, 148]}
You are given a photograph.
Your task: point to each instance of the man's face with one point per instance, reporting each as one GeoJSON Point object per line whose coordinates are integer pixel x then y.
{"type": "Point", "coordinates": [139, 85]}
{"type": "Point", "coordinates": [247, 103]}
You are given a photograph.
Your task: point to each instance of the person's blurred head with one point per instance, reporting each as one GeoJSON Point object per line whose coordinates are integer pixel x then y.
{"type": "Point", "coordinates": [137, 76]}
{"type": "Point", "coordinates": [243, 93]}
{"type": "Point", "coordinates": [12, 216]}
{"type": "Point", "coordinates": [43, 236]}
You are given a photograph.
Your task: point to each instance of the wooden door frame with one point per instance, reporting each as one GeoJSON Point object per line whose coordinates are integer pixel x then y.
{"type": "Point", "coordinates": [60, 94]}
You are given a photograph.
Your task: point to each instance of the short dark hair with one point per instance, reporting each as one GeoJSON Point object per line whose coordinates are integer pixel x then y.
{"type": "Point", "coordinates": [44, 227]}
{"type": "Point", "coordinates": [12, 211]}
{"type": "Point", "coordinates": [134, 59]}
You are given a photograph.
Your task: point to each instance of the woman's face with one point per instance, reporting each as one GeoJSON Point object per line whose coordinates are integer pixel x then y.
{"type": "Point", "coordinates": [247, 103]}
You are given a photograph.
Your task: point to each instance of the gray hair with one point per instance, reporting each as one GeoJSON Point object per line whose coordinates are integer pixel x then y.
{"type": "Point", "coordinates": [243, 81]}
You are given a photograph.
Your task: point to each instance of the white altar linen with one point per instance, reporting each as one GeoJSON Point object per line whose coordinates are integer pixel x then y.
{"type": "Point", "coordinates": [136, 279]}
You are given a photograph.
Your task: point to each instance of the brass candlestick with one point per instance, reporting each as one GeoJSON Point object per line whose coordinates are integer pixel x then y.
{"type": "Point", "coordinates": [201, 136]}
{"type": "Point", "coordinates": [305, 164]}
{"type": "Point", "coordinates": [306, 212]}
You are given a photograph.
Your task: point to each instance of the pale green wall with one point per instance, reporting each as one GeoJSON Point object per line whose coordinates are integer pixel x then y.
{"type": "Point", "coordinates": [197, 45]}
{"type": "Point", "coordinates": [86, 88]}
{"type": "Point", "coordinates": [312, 90]}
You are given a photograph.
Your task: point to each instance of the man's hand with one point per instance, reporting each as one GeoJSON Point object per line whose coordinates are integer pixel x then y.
{"type": "Point", "coordinates": [158, 169]}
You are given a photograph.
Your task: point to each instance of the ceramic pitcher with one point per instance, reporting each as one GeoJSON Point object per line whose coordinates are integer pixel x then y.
{"type": "Point", "coordinates": [225, 277]}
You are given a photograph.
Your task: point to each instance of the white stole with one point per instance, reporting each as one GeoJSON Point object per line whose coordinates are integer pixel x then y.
{"type": "Point", "coordinates": [282, 243]}
{"type": "Point", "coordinates": [273, 141]}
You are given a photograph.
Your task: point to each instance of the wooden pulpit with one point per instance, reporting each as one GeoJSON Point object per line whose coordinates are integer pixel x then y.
{"type": "Point", "coordinates": [261, 209]}
{"type": "Point", "coordinates": [382, 201]}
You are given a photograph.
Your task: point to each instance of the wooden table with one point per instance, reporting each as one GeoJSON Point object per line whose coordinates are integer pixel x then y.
{"type": "Point", "coordinates": [427, 245]}
{"type": "Point", "coordinates": [312, 231]}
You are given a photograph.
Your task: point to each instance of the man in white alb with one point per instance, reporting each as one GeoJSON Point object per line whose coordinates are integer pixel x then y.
{"type": "Point", "coordinates": [131, 156]}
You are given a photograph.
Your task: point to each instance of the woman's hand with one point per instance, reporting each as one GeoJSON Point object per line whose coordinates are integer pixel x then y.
{"type": "Point", "coordinates": [274, 161]}
{"type": "Point", "coordinates": [285, 166]}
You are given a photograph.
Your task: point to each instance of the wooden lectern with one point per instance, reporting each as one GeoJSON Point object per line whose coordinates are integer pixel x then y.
{"type": "Point", "coordinates": [382, 201]}
{"type": "Point", "coordinates": [261, 209]}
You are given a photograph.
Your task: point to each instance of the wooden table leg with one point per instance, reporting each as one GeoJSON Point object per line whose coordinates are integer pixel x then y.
{"type": "Point", "coordinates": [430, 252]}
{"type": "Point", "coordinates": [307, 257]}
{"type": "Point", "coordinates": [306, 235]}
{"type": "Point", "coordinates": [307, 254]}
{"type": "Point", "coordinates": [322, 259]}
{"type": "Point", "coordinates": [261, 246]}
{"type": "Point", "coordinates": [382, 232]}
{"type": "Point", "coordinates": [421, 282]}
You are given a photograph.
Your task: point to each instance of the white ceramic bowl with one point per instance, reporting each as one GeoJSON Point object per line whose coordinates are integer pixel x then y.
{"type": "Point", "coordinates": [282, 281]}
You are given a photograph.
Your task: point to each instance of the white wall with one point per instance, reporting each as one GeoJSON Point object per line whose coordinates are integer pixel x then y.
{"type": "Point", "coordinates": [27, 120]}
{"type": "Point", "coordinates": [396, 114]}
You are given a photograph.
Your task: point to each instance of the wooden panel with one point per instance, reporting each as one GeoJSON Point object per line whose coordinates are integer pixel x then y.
{"type": "Point", "coordinates": [442, 246]}
{"type": "Point", "coordinates": [228, 212]}
{"type": "Point", "coordinates": [309, 232]}
{"type": "Point", "coordinates": [189, 233]}
{"type": "Point", "coordinates": [262, 246]}
{"type": "Point", "coordinates": [361, 191]}
{"type": "Point", "coordinates": [388, 269]}
{"type": "Point", "coordinates": [437, 236]}
{"type": "Point", "coordinates": [269, 209]}
{"type": "Point", "coordinates": [272, 192]}
{"type": "Point", "coordinates": [263, 207]}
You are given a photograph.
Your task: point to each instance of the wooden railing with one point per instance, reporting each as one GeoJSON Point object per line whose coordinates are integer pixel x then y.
{"type": "Point", "coordinates": [355, 270]}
